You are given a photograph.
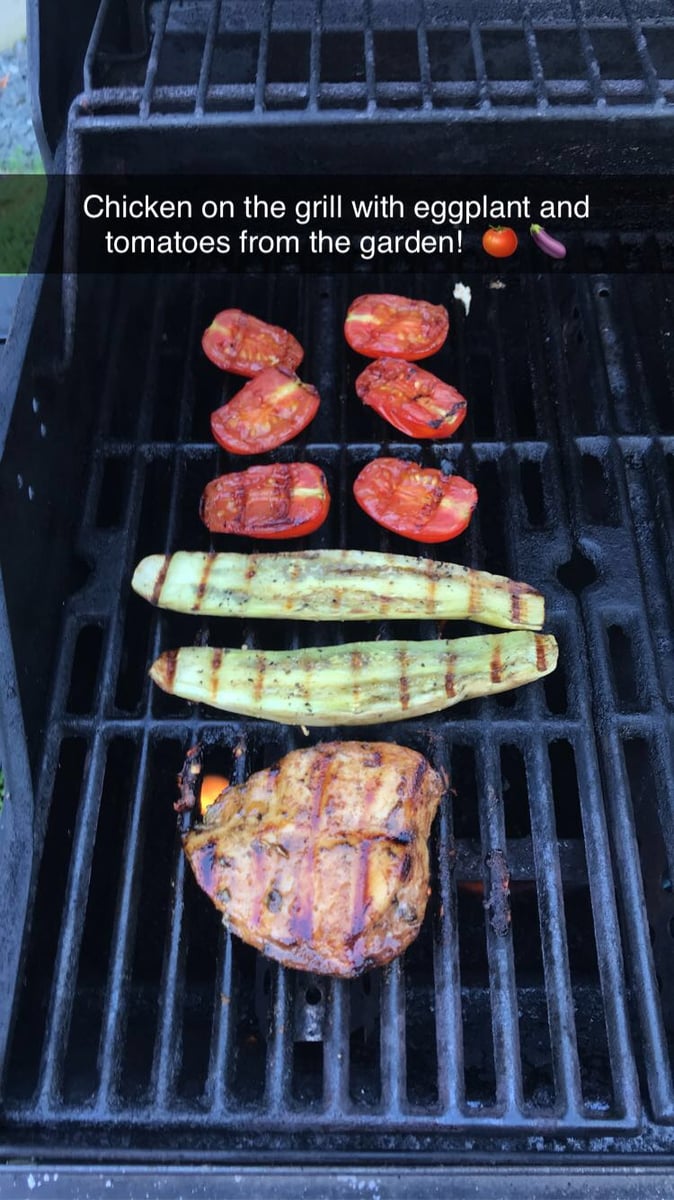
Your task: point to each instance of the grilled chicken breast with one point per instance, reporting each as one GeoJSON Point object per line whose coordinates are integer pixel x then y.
{"type": "Point", "coordinates": [321, 861]}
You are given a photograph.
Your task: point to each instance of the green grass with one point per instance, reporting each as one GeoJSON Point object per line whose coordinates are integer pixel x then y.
{"type": "Point", "coordinates": [22, 199]}
{"type": "Point", "coordinates": [21, 162]}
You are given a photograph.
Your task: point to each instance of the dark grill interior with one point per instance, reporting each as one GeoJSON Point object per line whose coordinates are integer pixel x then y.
{"type": "Point", "coordinates": [136, 1014]}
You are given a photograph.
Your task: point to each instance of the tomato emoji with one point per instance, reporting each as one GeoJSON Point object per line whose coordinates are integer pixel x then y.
{"type": "Point", "coordinates": [499, 241]}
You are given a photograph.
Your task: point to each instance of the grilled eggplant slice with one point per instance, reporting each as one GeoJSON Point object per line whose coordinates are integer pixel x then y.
{"type": "Point", "coordinates": [321, 861]}
{"type": "Point", "coordinates": [358, 683]}
{"type": "Point", "coordinates": [335, 585]}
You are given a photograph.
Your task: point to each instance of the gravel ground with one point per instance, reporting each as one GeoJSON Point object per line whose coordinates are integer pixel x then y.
{"type": "Point", "coordinates": [18, 148]}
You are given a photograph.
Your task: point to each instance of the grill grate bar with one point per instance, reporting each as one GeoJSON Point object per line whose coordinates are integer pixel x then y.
{"type": "Point", "coordinates": [591, 62]}
{"type": "Point", "coordinates": [115, 1010]}
{"type": "Point", "coordinates": [153, 60]}
{"type": "Point", "coordinates": [477, 48]}
{"type": "Point", "coordinates": [263, 56]}
{"type": "Point", "coordinates": [502, 985]}
{"type": "Point", "coordinates": [221, 1045]}
{"type": "Point", "coordinates": [537, 74]}
{"type": "Point", "coordinates": [392, 1044]}
{"type": "Point", "coordinates": [65, 975]}
{"type": "Point", "coordinates": [315, 56]}
{"type": "Point", "coordinates": [93, 47]}
{"type": "Point", "coordinates": [424, 58]}
{"type": "Point", "coordinates": [446, 973]}
{"type": "Point", "coordinates": [336, 1055]}
{"type": "Point", "coordinates": [279, 1046]}
{"type": "Point", "coordinates": [207, 57]}
{"type": "Point", "coordinates": [650, 74]}
{"type": "Point", "coordinates": [168, 1042]}
{"type": "Point", "coordinates": [369, 58]}
{"type": "Point", "coordinates": [553, 934]}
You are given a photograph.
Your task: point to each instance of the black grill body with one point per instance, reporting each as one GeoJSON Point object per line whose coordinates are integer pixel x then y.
{"type": "Point", "coordinates": [133, 1029]}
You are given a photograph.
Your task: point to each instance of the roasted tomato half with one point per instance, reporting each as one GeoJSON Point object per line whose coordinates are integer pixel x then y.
{"type": "Point", "coordinates": [237, 342]}
{"type": "Point", "coordinates": [280, 500]}
{"type": "Point", "coordinates": [268, 411]}
{"type": "Point", "coordinates": [395, 326]}
{"type": "Point", "coordinates": [412, 399]}
{"type": "Point", "coordinates": [418, 502]}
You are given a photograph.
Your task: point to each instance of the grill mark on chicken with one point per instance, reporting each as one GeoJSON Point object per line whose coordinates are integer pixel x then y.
{"type": "Point", "coordinates": [160, 580]}
{"type": "Point", "coordinates": [361, 895]}
{"type": "Point", "coordinates": [260, 888]}
{"type": "Point", "coordinates": [302, 918]}
{"type": "Point", "coordinates": [419, 774]}
{"type": "Point", "coordinates": [541, 660]}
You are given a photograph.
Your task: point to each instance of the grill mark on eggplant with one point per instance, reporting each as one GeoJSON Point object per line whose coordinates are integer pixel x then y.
{"type": "Point", "coordinates": [515, 607]}
{"type": "Point", "coordinates": [404, 683]}
{"type": "Point", "coordinates": [356, 668]}
{"type": "Point", "coordinates": [450, 687]}
{"type": "Point", "coordinates": [160, 580]}
{"type": "Point", "coordinates": [541, 660]}
{"type": "Point", "coordinates": [203, 582]}
{"type": "Point", "coordinates": [474, 596]}
{"type": "Point", "coordinates": [170, 667]}
{"type": "Point", "coordinates": [496, 665]}
{"type": "Point", "coordinates": [216, 663]}
{"type": "Point", "coordinates": [260, 668]}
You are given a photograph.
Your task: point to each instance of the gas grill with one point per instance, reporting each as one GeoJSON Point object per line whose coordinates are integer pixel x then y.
{"type": "Point", "coordinates": [135, 1033]}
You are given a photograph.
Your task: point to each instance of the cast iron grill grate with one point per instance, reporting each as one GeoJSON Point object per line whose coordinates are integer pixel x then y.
{"type": "Point", "coordinates": [136, 1013]}
{"type": "Point", "coordinates": [319, 57]}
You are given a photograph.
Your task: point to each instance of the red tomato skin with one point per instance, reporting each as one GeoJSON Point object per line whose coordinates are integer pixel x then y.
{"type": "Point", "coordinates": [263, 501]}
{"type": "Point", "coordinates": [385, 325]}
{"type": "Point", "coordinates": [499, 241]}
{"type": "Point", "coordinates": [271, 409]}
{"type": "Point", "coordinates": [397, 391]}
{"type": "Point", "coordinates": [238, 342]}
{"type": "Point", "coordinates": [406, 499]}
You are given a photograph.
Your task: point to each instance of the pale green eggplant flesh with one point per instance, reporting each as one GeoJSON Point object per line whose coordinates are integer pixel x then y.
{"type": "Point", "coordinates": [335, 585]}
{"type": "Point", "coordinates": [358, 683]}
